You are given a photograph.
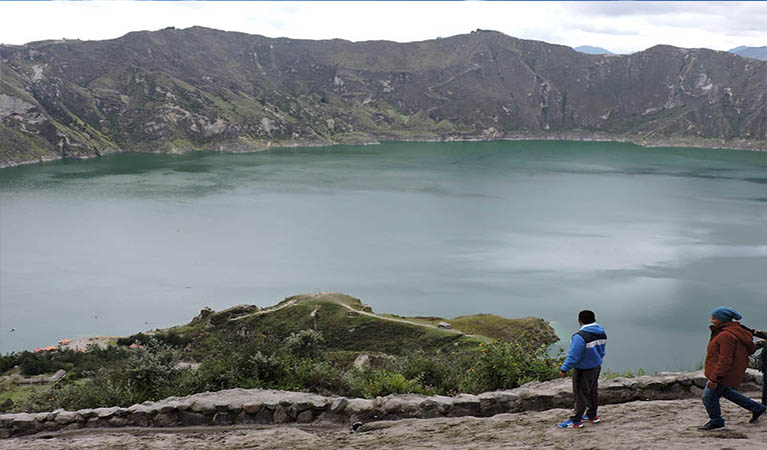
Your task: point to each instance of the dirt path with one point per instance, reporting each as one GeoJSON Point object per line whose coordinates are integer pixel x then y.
{"type": "Point", "coordinates": [392, 319]}
{"type": "Point", "coordinates": [344, 305]}
{"type": "Point", "coordinates": [637, 425]}
{"type": "Point", "coordinates": [267, 310]}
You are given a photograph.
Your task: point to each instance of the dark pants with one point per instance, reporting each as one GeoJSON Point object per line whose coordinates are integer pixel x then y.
{"type": "Point", "coordinates": [586, 390]}
{"type": "Point", "coordinates": [711, 401]}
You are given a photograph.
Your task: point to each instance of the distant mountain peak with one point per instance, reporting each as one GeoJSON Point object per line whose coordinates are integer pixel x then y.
{"type": "Point", "coordinates": [751, 52]}
{"type": "Point", "coordinates": [590, 50]}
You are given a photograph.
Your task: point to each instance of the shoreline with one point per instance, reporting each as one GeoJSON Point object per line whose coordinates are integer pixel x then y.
{"type": "Point", "coordinates": [571, 136]}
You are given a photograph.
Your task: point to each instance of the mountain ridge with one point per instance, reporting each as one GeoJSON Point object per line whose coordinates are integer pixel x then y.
{"type": "Point", "coordinates": [199, 88]}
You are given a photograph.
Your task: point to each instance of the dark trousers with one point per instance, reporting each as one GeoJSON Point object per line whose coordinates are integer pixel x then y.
{"type": "Point", "coordinates": [711, 401]}
{"type": "Point", "coordinates": [586, 391]}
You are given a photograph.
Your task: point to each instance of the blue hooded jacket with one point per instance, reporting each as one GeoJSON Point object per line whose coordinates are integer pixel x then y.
{"type": "Point", "coordinates": [586, 353]}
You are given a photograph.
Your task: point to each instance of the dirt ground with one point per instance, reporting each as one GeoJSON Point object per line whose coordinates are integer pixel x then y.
{"type": "Point", "coordinates": [637, 425]}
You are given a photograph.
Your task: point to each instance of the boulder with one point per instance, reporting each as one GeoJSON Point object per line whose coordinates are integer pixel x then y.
{"type": "Point", "coordinates": [338, 405]}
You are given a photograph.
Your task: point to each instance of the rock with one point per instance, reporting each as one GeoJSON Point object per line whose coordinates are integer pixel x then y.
{"type": "Point", "coordinates": [243, 418]}
{"type": "Point", "coordinates": [57, 376]}
{"type": "Point", "coordinates": [338, 405]}
{"type": "Point", "coordinates": [305, 417]}
{"type": "Point", "coordinates": [203, 406]}
{"type": "Point", "coordinates": [118, 422]}
{"type": "Point", "coordinates": [465, 405]}
{"type": "Point", "coordinates": [86, 413]}
{"type": "Point", "coordinates": [436, 406]}
{"type": "Point", "coordinates": [166, 408]}
{"type": "Point", "coordinates": [264, 416]}
{"type": "Point", "coordinates": [67, 417]}
{"type": "Point", "coordinates": [24, 421]}
{"type": "Point", "coordinates": [191, 419]}
{"type": "Point", "coordinates": [140, 415]}
{"type": "Point", "coordinates": [252, 408]}
{"type": "Point", "coordinates": [488, 404]}
{"type": "Point", "coordinates": [400, 406]}
{"type": "Point", "coordinates": [281, 415]}
{"type": "Point", "coordinates": [103, 413]}
{"type": "Point", "coordinates": [362, 361]}
{"type": "Point", "coordinates": [223, 418]}
{"type": "Point", "coordinates": [166, 419]}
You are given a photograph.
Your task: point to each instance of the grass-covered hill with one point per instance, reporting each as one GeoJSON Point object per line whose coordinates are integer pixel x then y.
{"type": "Point", "coordinates": [328, 343]}
{"type": "Point", "coordinates": [348, 325]}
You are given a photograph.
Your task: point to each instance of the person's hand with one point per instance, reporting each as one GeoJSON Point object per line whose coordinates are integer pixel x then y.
{"type": "Point", "coordinates": [711, 384]}
{"type": "Point", "coordinates": [562, 374]}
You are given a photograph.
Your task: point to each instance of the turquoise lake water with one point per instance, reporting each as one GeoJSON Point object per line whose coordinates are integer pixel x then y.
{"type": "Point", "coordinates": [650, 239]}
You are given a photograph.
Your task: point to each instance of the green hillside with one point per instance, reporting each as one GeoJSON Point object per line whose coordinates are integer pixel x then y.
{"type": "Point", "coordinates": [348, 325]}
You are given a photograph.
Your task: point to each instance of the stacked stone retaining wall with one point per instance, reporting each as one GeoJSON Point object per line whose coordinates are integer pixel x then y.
{"type": "Point", "coordinates": [267, 407]}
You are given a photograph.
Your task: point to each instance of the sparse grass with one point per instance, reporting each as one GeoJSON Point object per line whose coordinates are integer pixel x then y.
{"type": "Point", "coordinates": [18, 393]}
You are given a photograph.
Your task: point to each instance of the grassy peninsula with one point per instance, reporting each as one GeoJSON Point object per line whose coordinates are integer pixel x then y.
{"type": "Point", "coordinates": [328, 343]}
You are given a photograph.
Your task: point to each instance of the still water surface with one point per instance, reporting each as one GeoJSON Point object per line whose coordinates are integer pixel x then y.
{"type": "Point", "coordinates": [650, 239]}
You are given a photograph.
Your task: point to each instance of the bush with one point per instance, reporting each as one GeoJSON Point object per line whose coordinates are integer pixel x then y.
{"type": "Point", "coordinates": [144, 374]}
{"type": "Point", "coordinates": [305, 344]}
{"type": "Point", "coordinates": [170, 338]}
{"type": "Point", "coordinates": [373, 383]}
{"type": "Point", "coordinates": [440, 373]}
{"type": "Point", "coordinates": [504, 365]}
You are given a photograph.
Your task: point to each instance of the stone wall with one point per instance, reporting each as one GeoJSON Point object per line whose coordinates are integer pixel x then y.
{"type": "Point", "coordinates": [256, 406]}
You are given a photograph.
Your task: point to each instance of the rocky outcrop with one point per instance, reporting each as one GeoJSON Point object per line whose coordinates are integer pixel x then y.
{"type": "Point", "coordinates": [267, 407]}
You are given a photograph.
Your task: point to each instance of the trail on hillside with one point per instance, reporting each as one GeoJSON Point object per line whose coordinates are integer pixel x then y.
{"type": "Point", "coordinates": [392, 319]}
{"type": "Point", "coordinates": [667, 425]}
{"type": "Point", "coordinates": [344, 305]}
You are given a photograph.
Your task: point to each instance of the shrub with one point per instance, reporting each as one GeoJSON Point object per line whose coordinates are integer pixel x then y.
{"type": "Point", "coordinates": [504, 365]}
{"type": "Point", "coordinates": [373, 383]}
{"type": "Point", "coordinates": [305, 344]}
{"type": "Point", "coordinates": [145, 374]}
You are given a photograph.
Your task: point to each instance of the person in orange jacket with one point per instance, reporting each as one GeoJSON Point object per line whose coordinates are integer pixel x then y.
{"type": "Point", "coordinates": [726, 363]}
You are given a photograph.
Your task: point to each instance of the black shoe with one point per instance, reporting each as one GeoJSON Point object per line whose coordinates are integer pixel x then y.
{"type": "Point", "coordinates": [711, 426]}
{"type": "Point", "coordinates": [755, 415]}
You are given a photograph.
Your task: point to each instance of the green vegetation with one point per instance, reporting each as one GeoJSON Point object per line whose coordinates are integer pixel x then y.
{"type": "Point", "coordinates": [305, 343]}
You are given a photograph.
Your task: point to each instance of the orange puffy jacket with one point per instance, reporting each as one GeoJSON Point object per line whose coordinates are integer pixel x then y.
{"type": "Point", "coordinates": [727, 353]}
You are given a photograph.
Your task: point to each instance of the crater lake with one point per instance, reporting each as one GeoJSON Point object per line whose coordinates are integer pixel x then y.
{"type": "Point", "coordinates": [651, 239]}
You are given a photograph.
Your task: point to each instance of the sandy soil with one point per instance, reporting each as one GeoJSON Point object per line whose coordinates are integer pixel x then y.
{"type": "Point", "coordinates": [84, 343]}
{"type": "Point", "coordinates": [637, 425]}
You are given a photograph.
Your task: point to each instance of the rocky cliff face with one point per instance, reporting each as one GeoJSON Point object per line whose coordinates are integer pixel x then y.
{"type": "Point", "coordinates": [198, 88]}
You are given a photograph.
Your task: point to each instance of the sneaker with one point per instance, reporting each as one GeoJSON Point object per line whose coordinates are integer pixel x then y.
{"type": "Point", "coordinates": [755, 415]}
{"type": "Point", "coordinates": [570, 424]}
{"type": "Point", "coordinates": [588, 419]}
{"type": "Point", "coordinates": [711, 426]}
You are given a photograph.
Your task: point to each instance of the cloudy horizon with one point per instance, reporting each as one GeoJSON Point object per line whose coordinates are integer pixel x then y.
{"type": "Point", "coordinates": [620, 27]}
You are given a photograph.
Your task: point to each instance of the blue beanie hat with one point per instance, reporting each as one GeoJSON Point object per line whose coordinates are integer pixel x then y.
{"type": "Point", "coordinates": [725, 314]}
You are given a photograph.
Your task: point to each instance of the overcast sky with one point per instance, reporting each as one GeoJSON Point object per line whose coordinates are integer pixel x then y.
{"type": "Point", "coordinates": [621, 27]}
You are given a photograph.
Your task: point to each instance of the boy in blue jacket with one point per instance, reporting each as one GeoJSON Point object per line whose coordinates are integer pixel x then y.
{"type": "Point", "coordinates": [587, 348]}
